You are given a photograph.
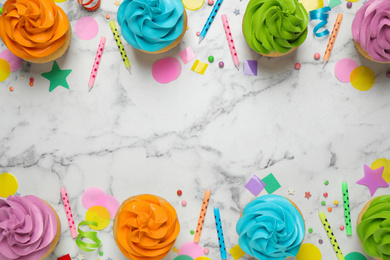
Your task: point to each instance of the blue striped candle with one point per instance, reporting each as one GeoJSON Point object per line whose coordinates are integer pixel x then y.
{"type": "Point", "coordinates": [221, 240]}
{"type": "Point", "coordinates": [206, 27]}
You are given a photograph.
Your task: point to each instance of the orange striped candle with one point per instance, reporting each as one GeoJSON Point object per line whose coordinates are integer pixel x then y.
{"type": "Point", "coordinates": [332, 38]}
{"type": "Point", "coordinates": [202, 216]}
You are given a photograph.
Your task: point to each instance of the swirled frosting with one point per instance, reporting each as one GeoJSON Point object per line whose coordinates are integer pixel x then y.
{"type": "Point", "coordinates": [374, 228]}
{"type": "Point", "coordinates": [275, 25]}
{"type": "Point", "coordinates": [33, 29]}
{"type": "Point", "coordinates": [151, 25]}
{"type": "Point", "coordinates": [270, 228]}
{"type": "Point", "coordinates": [371, 29]}
{"type": "Point", "coordinates": [147, 227]}
{"type": "Point", "coordinates": [27, 228]}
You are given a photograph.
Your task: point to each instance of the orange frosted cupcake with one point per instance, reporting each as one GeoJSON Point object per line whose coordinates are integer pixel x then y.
{"type": "Point", "coordinates": [146, 227]}
{"type": "Point", "coordinates": [35, 30]}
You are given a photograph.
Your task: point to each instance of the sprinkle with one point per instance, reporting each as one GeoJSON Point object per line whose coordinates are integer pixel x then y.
{"type": "Point", "coordinates": [326, 182]}
{"type": "Point", "coordinates": [197, 33]}
{"type": "Point", "coordinates": [31, 83]}
{"type": "Point", "coordinates": [323, 203]}
{"type": "Point", "coordinates": [349, 5]}
{"type": "Point", "coordinates": [107, 16]}
{"type": "Point", "coordinates": [174, 249]}
{"type": "Point", "coordinates": [210, 2]}
{"type": "Point", "coordinates": [325, 194]}
{"type": "Point", "coordinates": [11, 89]}
{"type": "Point", "coordinates": [320, 241]}
{"type": "Point", "coordinates": [310, 230]}
{"type": "Point", "coordinates": [297, 66]}
{"type": "Point", "coordinates": [192, 232]}
{"type": "Point", "coordinates": [317, 56]}
{"type": "Point", "coordinates": [211, 58]}
{"type": "Point", "coordinates": [179, 192]}
{"type": "Point", "coordinates": [100, 253]}
{"type": "Point", "coordinates": [31, 79]}
{"type": "Point", "coordinates": [388, 74]}
{"type": "Point", "coordinates": [206, 251]}
{"type": "Point", "coordinates": [307, 195]}
{"type": "Point", "coordinates": [330, 209]}
{"type": "Point", "coordinates": [184, 203]}
{"type": "Point", "coordinates": [221, 64]}
{"type": "Point", "coordinates": [187, 28]}
{"type": "Point", "coordinates": [341, 227]}
{"type": "Point", "coordinates": [336, 202]}
{"type": "Point", "coordinates": [22, 77]}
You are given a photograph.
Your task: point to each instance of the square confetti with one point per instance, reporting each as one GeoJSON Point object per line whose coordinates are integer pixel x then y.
{"type": "Point", "coordinates": [65, 257]}
{"type": "Point", "coordinates": [334, 3]}
{"type": "Point", "coordinates": [255, 185]}
{"type": "Point", "coordinates": [199, 67]}
{"type": "Point", "coordinates": [271, 183]}
{"type": "Point", "coordinates": [236, 252]}
{"type": "Point", "coordinates": [250, 67]}
{"type": "Point", "coordinates": [187, 55]}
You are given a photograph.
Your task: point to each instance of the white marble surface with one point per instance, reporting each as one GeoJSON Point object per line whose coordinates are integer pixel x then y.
{"type": "Point", "coordinates": [131, 135]}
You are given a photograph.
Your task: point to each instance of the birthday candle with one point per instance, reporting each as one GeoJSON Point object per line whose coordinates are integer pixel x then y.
{"type": "Point", "coordinates": [207, 25]}
{"type": "Point", "coordinates": [332, 38]}
{"type": "Point", "coordinates": [330, 234]}
{"type": "Point", "coordinates": [68, 211]}
{"type": "Point", "coordinates": [202, 216]}
{"type": "Point", "coordinates": [96, 63]}
{"type": "Point", "coordinates": [221, 239]}
{"type": "Point", "coordinates": [347, 214]}
{"type": "Point", "coordinates": [120, 46]}
{"type": "Point", "coordinates": [230, 41]}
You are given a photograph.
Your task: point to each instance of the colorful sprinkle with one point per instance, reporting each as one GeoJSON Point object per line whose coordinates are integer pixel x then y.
{"type": "Point", "coordinates": [192, 232]}
{"type": "Point", "coordinates": [210, 2]}
{"type": "Point", "coordinates": [330, 209]}
{"type": "Point", "coordinates": [184, 203]}
{"type": "Point", "coordinates": [336, 202]}
{"type": "Point", "coordinates": [326, 182]}
{"type": "Point", "coordinates": [22, 77]}
{"type": "Point", "coordinates": [323, 203]}
{"type": "Point", "coordinates": [310, 230]}
{"type": "Point", "coordinates": [107, 16]}
{"type": "Point", "coordinates": [317, 56]}
{"type": "Point", "coordinates": [297, 66]}
{"type": "Point", "coordinates": [307, 195]}
{"type": "Point", "coordinates": [206, 251]}
{"type": "Point", "coordinates": [325, 194]}
{"type": "Point", "coordinates": [341, 227]}
{"type": "Point", "coordinates": [320, 241]}
{"type": "Point", "coordinates": [174, 249]}
{"type": "Point", "coordinates": [211, 58]}
{"type": "Point", "coordinates": [31, 83]}
{"type": "Point", "coordinates": [179, 192]}
{"type": "Point", "coordinates": [221, 64]}
{"type": "Point", "coordinates": [11, 89]}
{"type": "Point", "coordinates": [349, 5]}
{"type": "Point", "coordinates": [31, 79]}
{"type": "Point", "coordinates": [197, 33]}
{"type": "Point", "coordinates": [100, 253]}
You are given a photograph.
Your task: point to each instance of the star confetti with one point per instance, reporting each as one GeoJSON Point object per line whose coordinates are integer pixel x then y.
{"type": "Point", "coordinates": [373, 179]}
{"type": "Point", "coordinates": [80, 257]}
{"type": "Point", "coordinates": [291, 191]}
{"type": "Point", "coordinates": [57, 77]}
{"type": "Point", "coordinates": [117, 3]}
{"type": "Point", "coordinates": [307, 195]}
{"type": "Point", "coordinates": [236, 12]}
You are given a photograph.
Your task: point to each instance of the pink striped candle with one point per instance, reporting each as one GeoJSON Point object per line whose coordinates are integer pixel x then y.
{"type": "Point", "coordinates": [96, 63]}
{"type": "Point", "coordinates": [230, 41]}
{"type": "Point", "coordinates": [68, 211]}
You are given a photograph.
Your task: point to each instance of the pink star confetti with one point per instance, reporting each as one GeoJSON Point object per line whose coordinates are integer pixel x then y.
{"type": "Point", "coordinates": [373, 179]}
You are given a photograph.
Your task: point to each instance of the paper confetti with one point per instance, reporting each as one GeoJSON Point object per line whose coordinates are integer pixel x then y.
{"type": "Point", "coordinates": [64, 257]}
{"type": "Point", "coordinates": [8, 185]}
{"type": "Point", "coordinates": [100, 215]}
{"type": "Point", "coordinates": [236, 252]}
{"type": "Point", "coordinates": [386, 167]}
{"type": "Point", "coordinates": [309, 252]}
{"type": "Point", "coordinates": [255, 185]}
{"type": "Point", "coordinates": [373, 179]}
{"type": "Point", "coordinates": [57, 77]}
{"type": "Point", "coordinates": [5, 70]}
{"type": "Point", "coordinates": [187, 55]}
{"type": "Point", "coordinates": [199, 67]}
{"type": "Point", "coordinates": [334, 3]}
{"type": "Point", "coordinates": [271, 183]}
{"type": "Point", "coordinates": [86, 28]}
{"type": "Point", "coordinates": [362, 78]}
{"type": "Point", "coordinates": [250, 67]}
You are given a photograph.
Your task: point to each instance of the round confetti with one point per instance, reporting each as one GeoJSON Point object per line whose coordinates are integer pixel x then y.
{"type": "Point", "coordinates": [221, 64]}
{"type": "Point", "coordinates": [386, 170]}
{"type": "Point", "coordinates": [14, 61]}
{"type": "Point", "coordinates": [59, 1]}
{"type": "Point", "coordinates": [325, 194]}
{"type": "Point", "coordinates": [166, 70]}
{"type": "Point", "coordinates": [100, 215]}
{"type": "Point", "coordinates": [317, 56]}
{"type": "Point", "coordinates": [184, 203]}
{"type": "Point", "coordinates": [341, 227]}
{"type": "Point", "coordinates": [101, 253]}
{"type": "Point", "coordinates": [211, 58]}
{"type": "Point", "coordinates": [8, 185]}
{"type": "Point", "coordinates": [323, 203]}
{"type": "Point", "coordinates": [11, 89]}
{"type": "Point", "coordinates": [336, 202]}
{"type": "Point", "coordinates": [86, 28]}
{"type": "Point", "coordinates": [326, 182]}
{"type": "Point", "coordinates": [349, 5]}
{"type": "Point", "coordinates": [193, 5]}
{"type": "Point", "coordinates": [344, 68]}
{"type": "Point", "coordinates": [310, 230]}
{"type": "Point", "coordinates": [297, 66]}
{"type": "Point", "coordinates": [362, 78]}
{"type": "Point", "coordinates": [206, 251]}
{"type": "Point", "coordinates": [312, 4]}
{"type": "Point", "coordinates": [352, 1]}
{"type": "Point", "coordinates": [174, 249]}
{"type": "Point", "coordinates": [179, 192]}
{"type": "Point", "coordinates": [329, 209]}
{"type": "Point", "coordinates": [191, 249]}
{"type": "Point", "coordinates": [309, 252]}
{"type": "Point", "coordinates": [5, 70]}
{"type": "Point", "coordinates": [202, 258]}
{"type": "Point", "coordinates": [183, 257]}
{"type": "Point", "coordinates": [197, 33]}
{"type": "Point", "coordinates": [355, 256]}
{"type": "Point", "coordinates": [320, 241]}
{"type": "Point", "coordinates": [192, 232]}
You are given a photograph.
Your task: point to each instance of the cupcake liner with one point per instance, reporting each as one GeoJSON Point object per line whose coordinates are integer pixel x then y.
{"type": "Point", "coordinates": [365, 54]}
{"type": "Point", "coordinates": [57, 237]}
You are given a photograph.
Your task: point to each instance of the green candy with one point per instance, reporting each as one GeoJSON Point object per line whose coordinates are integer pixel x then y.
{"type": "Point", "coordinates": [211, 58]}
{"type": "Point", "coordinates": [275, 25]}
{"type": "Point", "coordinates": [374, 228]}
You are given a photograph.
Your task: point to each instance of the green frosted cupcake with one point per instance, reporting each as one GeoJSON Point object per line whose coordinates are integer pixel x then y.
{"type": "Point", "coordinates": [275, 27]}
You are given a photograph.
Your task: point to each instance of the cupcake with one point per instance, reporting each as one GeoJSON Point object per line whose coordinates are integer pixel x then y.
{"type": "Point", "coordinates": [35, 30]}
{"type": "Point", "coordinates": [29, 228]}
{"type": "Point", "coordinates": [275, 28]}
{"type": "Point", "coordinates": [373, 227]}
{"type": "Point", "coordinates": [271, 228]}
{"type": "Point", "coordinates": [146, 227]}
{"type": "Point", "coordinates": [371, 30]}
{"type": "Point", "coordinates": [152, 26]}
